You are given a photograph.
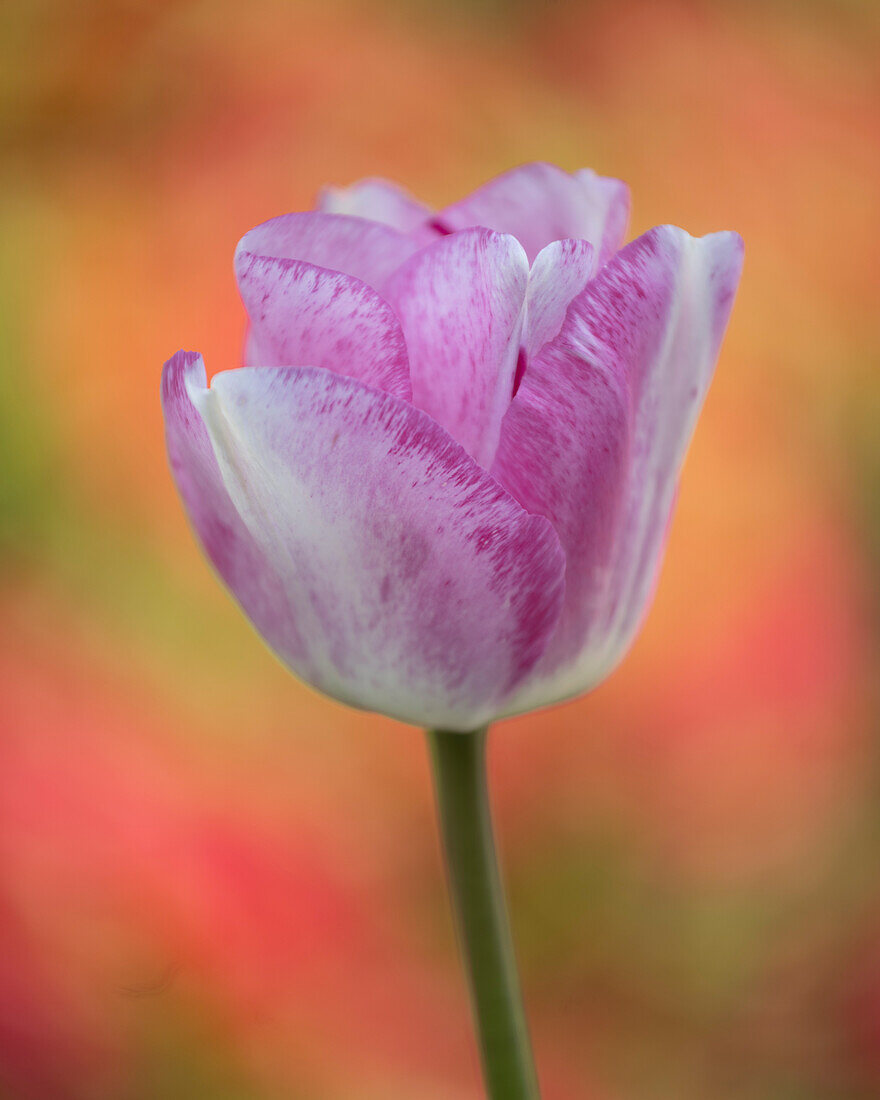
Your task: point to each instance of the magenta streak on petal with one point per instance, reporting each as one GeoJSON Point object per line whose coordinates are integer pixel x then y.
{"type": "Point", "coordinates": [521, 362]}
{"type": "Point", "coordinates": [440, 227]}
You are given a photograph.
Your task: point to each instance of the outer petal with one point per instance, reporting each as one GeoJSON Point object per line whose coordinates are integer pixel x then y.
{"type": "Point", "coordinates": [597, 434]}
{"type": "Point", "coordinates": [401, 577]}
{"type": "Point", "coordinates": [303, 315]}
{"type": "Point", "coordinates": [379, 201]}
{"type": "Point", "coordinates": [540, 203]}
{"type": "Point", "coordinates": [365, 249]}
{"type": "Point", "coordinates": [460, 304]}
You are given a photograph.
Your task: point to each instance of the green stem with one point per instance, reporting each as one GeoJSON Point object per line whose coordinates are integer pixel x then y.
{"type": "Point", "coordinates": [459, 761]}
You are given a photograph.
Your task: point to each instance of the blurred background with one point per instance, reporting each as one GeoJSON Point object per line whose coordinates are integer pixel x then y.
{"type": "Point", "coordinates": [214, 883]}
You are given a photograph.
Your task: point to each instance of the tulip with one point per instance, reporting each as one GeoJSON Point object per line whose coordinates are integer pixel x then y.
{"type": "Point", "coordinates": [441, 483]}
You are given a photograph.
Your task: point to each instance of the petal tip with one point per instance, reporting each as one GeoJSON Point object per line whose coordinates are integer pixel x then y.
{"type": "Point", "coordinates": [733, 244]}
{"type": "Point", "coordinates": [183, 372]}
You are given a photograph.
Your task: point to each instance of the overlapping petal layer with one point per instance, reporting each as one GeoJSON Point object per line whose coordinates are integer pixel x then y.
{"type": "Point", "coordinates": [366, 249]}
{"type": "Point", "coordinates": [306, 315]}
{"type": "Point", "coordinates": [378, 559]}
{"type": "Point", "coordinates": [597, 433]}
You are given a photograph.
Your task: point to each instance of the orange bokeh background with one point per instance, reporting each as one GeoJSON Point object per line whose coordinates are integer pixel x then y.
{"type": "Point", "coordinates": [214, 882]}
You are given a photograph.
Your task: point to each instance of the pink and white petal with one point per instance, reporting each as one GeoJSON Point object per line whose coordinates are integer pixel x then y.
{"type": "Point", "coordinates": [597, 435]}
{"type": "Point", "coordinates": [606, 207]}
{"type": "Point", "coordinates": [560, 272]}
{"type": "Point", "coordinates": [563, 454]}
{"type": "Point", "coordinates": [540, 203]}
{"type": "Point", "coordinates": [413, 583]}
{"type": "Point", "coordinates": [365, 249]}
{"type": "Point", "coordinates": [377, 200]}
{"type": "Point", "coordinates": [460, 305]}
{"type": "Point", "coordinates": [240, 561]}
{"type": "Point", "coordinates": [302, 315]}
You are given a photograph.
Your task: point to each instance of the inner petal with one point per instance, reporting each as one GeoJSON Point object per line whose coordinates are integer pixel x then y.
{"type": "Point", "coordinates": [460, 303]}
{"type": "Point", "coordinates": [355, 246]}
{"type": "Point", "coordinates": [303, 315]}
{"type": "Point", "coordinates": [560, 272]}
{"type": "Point", "coordinates": [540, 203]}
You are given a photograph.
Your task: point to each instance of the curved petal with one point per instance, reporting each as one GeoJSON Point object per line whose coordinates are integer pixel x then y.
{"type": "Point", "coordinates": [240, 561]}
{"type": "Point", "coordinates": [365, 249]}
{"type": "Point", "coordinates": [460, 304]}
{"type": "Point", "coordinates": [411, 582]}
{"type": "Point", "coordinates": [540, 203]}
{"type": "Point", "coordinates": [560, 272]}
{"type": "Point", "coordinates": [606, 203]}
{"type": "Point", "coordinates": [597, 434]}
{"type": "Point", "coordinates": [379, 201]}
{"type": "Point", "coordinates": [302, 315]}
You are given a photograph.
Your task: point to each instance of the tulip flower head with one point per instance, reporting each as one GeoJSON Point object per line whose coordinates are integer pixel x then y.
{"type": "Point", "coordinates": [440, 484]}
